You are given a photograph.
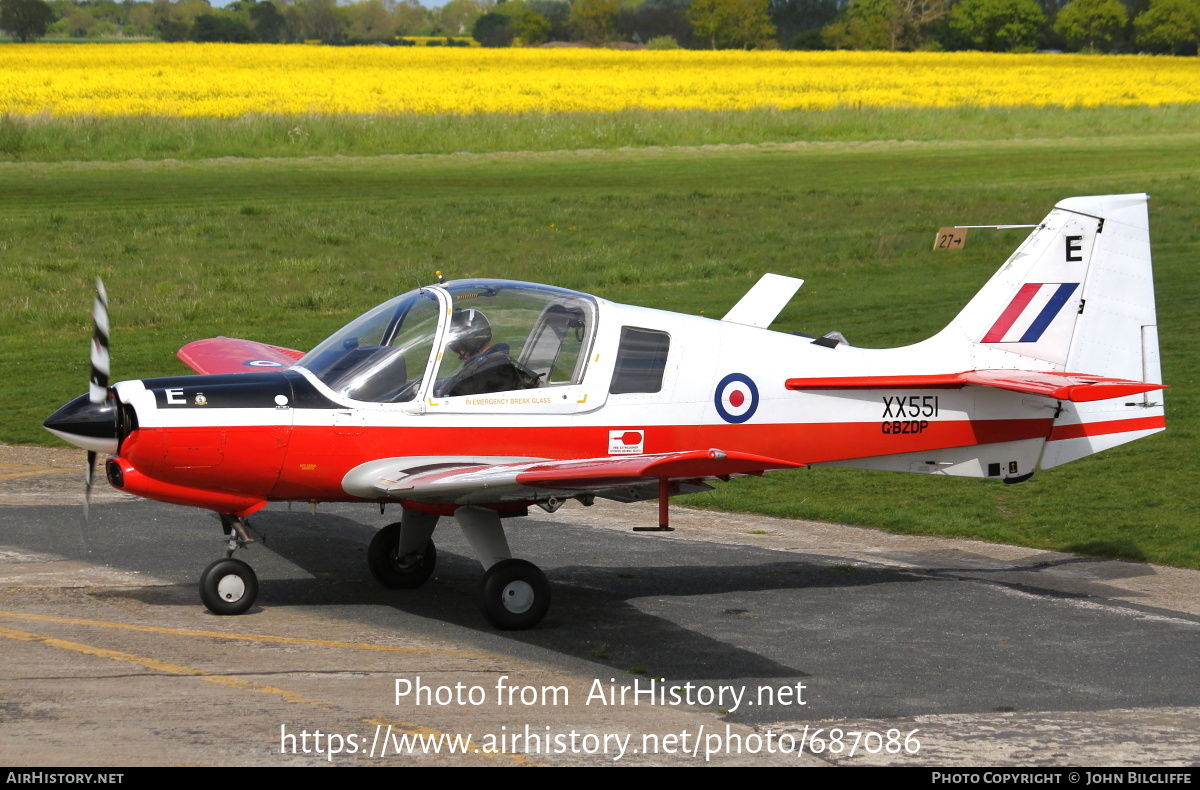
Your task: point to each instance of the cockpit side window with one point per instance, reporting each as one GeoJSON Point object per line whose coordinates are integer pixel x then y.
{"type": "Point", "coordinates": [553, 350]}
{"type": "Point", "coordinates": [641, 361]}
{"type": "Point", "coordinates": [506, 336]}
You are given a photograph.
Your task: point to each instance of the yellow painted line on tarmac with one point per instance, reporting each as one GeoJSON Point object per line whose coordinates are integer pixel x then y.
{"type": "Point", "coordinates": [159, 666]}
{"type": "Point", "coordinates": [285, 640]}
{"type": "Point", "coordinates": [33, 466]}
{"type": "Point", "coordinates": [400, 727]}
{"type": "Point", "coordinates": [49, 471]}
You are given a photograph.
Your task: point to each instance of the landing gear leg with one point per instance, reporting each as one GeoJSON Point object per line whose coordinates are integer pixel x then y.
{"type": "Point", "coordinates": [230, 586]}
{"type": "Point", "coordinates": [236, 534]}
{"type": "Point", "coordinates": [514, 594]}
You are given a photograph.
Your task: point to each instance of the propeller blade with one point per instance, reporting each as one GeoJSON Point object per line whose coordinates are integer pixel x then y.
{"type": "Point", "coordinates": [98, 383]}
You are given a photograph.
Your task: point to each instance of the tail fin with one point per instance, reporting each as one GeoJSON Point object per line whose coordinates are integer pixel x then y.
{"type": "Point", "coordinates": [1078, 295]}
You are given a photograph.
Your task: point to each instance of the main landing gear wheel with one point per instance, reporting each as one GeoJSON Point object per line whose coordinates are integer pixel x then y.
{"type": "Point", "coordinates": [396, 572]}
{"type": "Point", "coordinates": [515, 595]}
{"type": "Point", "coordinates": [228, 587]}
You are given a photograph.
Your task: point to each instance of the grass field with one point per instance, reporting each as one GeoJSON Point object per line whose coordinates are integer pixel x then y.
{"type": "Point", "coordinates": [43, 138]}
{"type": "Point", "coordinates": [288, 250]}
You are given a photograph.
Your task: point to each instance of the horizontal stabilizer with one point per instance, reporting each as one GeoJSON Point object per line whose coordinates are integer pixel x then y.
{"type": "Point", "coordinates": [1075, 387]}
{"type": "Point", "coordinates": [232, 355]}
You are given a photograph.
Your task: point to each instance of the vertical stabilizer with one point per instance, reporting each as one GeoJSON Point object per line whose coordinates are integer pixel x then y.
{"type": "Point", "coordinates": [1077, 296]}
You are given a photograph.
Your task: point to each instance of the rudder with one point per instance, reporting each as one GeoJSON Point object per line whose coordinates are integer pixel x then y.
{"type": "Point", "coordinates": [1116, 333]}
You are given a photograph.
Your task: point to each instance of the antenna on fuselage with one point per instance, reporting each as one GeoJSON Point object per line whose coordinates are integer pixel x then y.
{"type": "Point", "coordinates": [421, 288]}
{"type": "Point", "coordinates": [955, 238]}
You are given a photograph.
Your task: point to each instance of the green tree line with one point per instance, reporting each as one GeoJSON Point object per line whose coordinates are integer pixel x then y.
{"type": "Point", "coordinates": [1154, 26]}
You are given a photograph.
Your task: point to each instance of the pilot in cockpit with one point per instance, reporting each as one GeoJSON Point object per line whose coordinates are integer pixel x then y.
{"type": "Point", "coordinates": [487, 367]}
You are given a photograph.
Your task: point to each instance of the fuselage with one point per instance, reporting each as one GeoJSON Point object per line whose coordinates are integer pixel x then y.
{"type": "Point", "coordinates": [641, 381]}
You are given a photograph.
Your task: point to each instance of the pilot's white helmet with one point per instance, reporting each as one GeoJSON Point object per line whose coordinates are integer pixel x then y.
{"type": "Point", "coordinates": [470, 332]}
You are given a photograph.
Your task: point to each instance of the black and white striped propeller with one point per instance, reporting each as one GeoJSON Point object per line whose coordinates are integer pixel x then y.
{"type": "Point", "coordinates": [98, 381]}
{"type": "Point", "coordinates": [93, 420]}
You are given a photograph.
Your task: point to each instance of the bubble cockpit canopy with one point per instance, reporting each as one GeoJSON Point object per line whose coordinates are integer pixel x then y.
{"type": "Point", "coordinates": [473, 336]}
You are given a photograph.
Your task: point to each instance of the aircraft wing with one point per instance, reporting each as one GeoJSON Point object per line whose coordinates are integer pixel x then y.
{"type": "Point", "coordinates": [1076, 387]}
{"type": "Point", "coordinates": [624, 478]}
{"type": "Point", "coordinates": [232, 355]}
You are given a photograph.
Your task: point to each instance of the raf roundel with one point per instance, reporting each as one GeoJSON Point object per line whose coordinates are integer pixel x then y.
{"type": "Point", "coordinates": [736, 398]}
{"type": "Point", "coordinates": [262, 363]}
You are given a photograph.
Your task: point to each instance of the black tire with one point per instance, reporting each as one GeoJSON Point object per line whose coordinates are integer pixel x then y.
{"type": "Point", "coordinates": [515, 595]}
{"type": "Point", "coordinates": [228, 587]}
{"type": "Point", "coordinates": [396, 572]}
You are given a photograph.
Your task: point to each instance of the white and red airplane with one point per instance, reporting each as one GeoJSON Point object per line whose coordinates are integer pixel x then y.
{"type": "Point", "coordinates": [478, 398]}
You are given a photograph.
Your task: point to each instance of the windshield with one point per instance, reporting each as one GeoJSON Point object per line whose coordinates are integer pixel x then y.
{"type": "Point", "coordinates": [381, 355]}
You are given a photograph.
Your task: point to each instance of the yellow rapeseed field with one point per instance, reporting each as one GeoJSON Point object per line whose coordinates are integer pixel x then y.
{"type": "Point", "coordinates": [228, 80]}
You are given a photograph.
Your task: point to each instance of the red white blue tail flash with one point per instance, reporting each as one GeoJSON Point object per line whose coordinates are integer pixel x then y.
{"type": "Point", "coordinates": [1030, 312]}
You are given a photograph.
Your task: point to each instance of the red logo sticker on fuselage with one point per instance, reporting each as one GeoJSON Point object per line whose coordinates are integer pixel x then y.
{"type": "Point", "coordinates": [625, 442]}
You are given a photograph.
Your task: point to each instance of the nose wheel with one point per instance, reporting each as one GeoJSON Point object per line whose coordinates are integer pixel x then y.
{"type": "Point", "coordinates": [228, 587]}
